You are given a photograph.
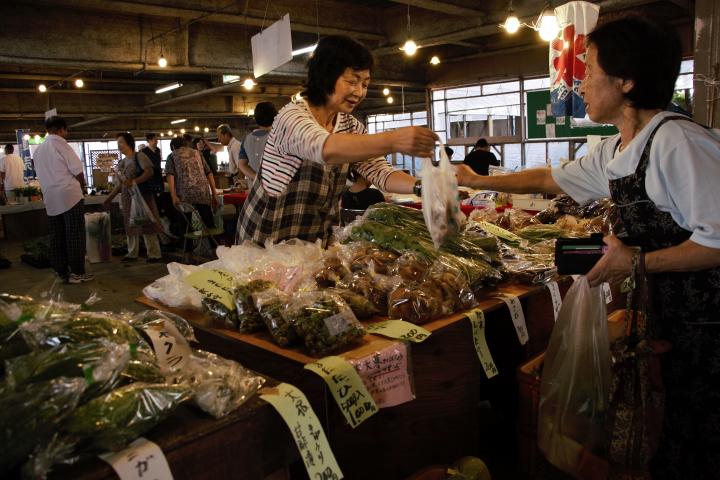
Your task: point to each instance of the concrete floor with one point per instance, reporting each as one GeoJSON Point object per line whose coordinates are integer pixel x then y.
{"type": "Point", "coordinates": [117, 284]}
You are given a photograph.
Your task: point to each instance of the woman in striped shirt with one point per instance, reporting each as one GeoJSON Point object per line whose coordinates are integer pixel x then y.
{"type": "Point", "coordinates": [313, 145]}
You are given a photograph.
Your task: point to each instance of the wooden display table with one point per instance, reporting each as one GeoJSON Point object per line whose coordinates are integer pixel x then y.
{"type": "Point", "coordinates": [457, 410]}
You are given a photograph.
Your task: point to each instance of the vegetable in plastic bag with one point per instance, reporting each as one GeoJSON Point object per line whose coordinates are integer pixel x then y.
{"type": "Point", "coordinates": [271, 305]}
{"type": "Point", "coordinates": [410, 266]}
{"type": "Point", "coordinates": [143, 369]}
{"type": "Point", "coordinates": [324, 322]}
{"type": "Point", "coordinates": [415, 303]}
{"type": "Point", "coordinates": [157, 317]}
{"type": "Point", "coordinates": [332, 272]}
{"type": "Point", "coordinates": [375, 288]}
{"type": "Point", "coordinates": [30, 415]}
{"type": "Point", "coordinates": [220, 386]}
{"type": "Point", "coordinates": [440, 204]}
{"type": "Point", "coordinates": [576, 380]}
{"type": "Point", "coordinates": [249, 319]}
{"type": "Point", "coordinates": [361, 306]}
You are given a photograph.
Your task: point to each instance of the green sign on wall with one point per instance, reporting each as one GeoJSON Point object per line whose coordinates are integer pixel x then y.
{"type": "Point", "coordinates": [542, 124]}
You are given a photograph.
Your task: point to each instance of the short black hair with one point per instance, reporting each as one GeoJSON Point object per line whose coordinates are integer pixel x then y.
{"type": "Point", "coordinates": [188, 139]}
{"type": "Point", "coordinates": [129, 139]}
{"type": "Point", "coordinates": [265, 113]}
{"type": "Point", "coordinates": [645, 51]}
{"type": "Point", "coordinates": [9, 148]}
{"type": "Point", "coordinates": [449, 151]}
{"type": "Point", "coordinates": [150, 135]}
{"type": "Point", "coordinates": [482, 143]}
{"type": "Point", "coordinates": [177, 142]}
{"type": "Point", "coordinates": [195, 141]}
{"type": "Point", "coordinates": [55, 123]}
{"type": "Point", "coordinates": [332, 56]}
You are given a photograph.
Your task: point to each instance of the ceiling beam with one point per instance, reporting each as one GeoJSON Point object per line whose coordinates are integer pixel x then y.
{"type": "Point", "coordinates": [187, 14]}
{"type": "Point", "coordinates": [442, 7]}
{"type": "Point", "coordinates": [52, 91]}
{"type": "Point", "coordinates": [50, 77]}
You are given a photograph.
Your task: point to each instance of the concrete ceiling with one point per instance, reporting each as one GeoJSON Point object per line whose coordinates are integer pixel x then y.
{"type": "Point", "coordinates": [114, 46]}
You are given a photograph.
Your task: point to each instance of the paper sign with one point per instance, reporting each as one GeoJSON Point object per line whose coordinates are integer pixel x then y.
{"type": "Point", "coordinates": [218, 285]}
{"type": "Point", "coordinates": [540, 117]}
{"type": "Point", "coordinates": [171, 348]}
{"type": "Point", "coordinates": [340, 323]}
{"type": "Point", "coordinates": [608, 292]}
{"type": "Point", "coordinates": [272, 47]}
{"type": "Point", "coordinates": [556, 298]}
{"type": "Point", "coordinates": [550, 130]}
{"type": "Point", "coordinates": [399, 329]}
{"type": "Point", "coordinates": [347, 388]}
{"type": "Point", "coordinates": [295, 410]}
{"type": "Point", "coordinates": [559, 120]}
{"type": "Point", "coordinates": [142, 459]}
{"type": "Point", "coordinates": [518, 317]}
{"type": "Point", "coordinates": [548, 109]}
{"type": "Point", "coordinates": [477, 323]}
{"type": "Point", "coordinates": [386, 376]}
{"type": "Point", "coordinates": [499, 231]}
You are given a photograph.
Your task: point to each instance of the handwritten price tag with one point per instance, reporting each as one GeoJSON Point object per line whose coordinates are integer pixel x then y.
{"type": "Point", "coordinates": [499, 232]}
{"type": "Point", "coordinates": [218, 285]}
{"type": "Point", "coordinates": [477, 322]}
{"type": "Point", "coordinates": [171, 348]}
{"type": "Point", "coordinates": [518, 317]}
{"type": "Point", "coordinates": [386, 376]}
{"type": "Point", "coordinates": [556, 298]}
{"type": "Point", "coordinates": [399, 330]}
{"type": "Point", "coordinates": [347, 388]}
{"type": "Point", "coordinates": [295, 410]}
{"type": "Point", "coordinates": [142, 459]}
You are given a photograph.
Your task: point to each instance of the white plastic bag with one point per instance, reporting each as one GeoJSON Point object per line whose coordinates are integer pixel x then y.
{"type": "Point", "coordinates": [576, 381]}
{"type": "Point", "coordinates": [140, 213]}
{"type": "Point", "coordinates": [440, 202]}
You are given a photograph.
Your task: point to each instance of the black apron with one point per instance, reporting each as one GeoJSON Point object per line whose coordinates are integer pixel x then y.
{"type": "Point", "coordinates": [684, 310]}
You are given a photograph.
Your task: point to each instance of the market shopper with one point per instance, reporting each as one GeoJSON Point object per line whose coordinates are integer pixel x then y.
{"type": "Point", "coordinates": [202, 146]}
{"type": "Point", "coordinates": [253, 146]}
{"type": "Point", "coordinates": [662, 171]}
{"type": "Point", "coordinates": [136, 169]}
{"type": "Point", "coordinates": [481, 158]}
{"type": "Point", "coordinates": [12, 170]}
{"type": "Point", "coordinates": [227, 138]}
{"type": "Point", "coordinates": [62, 180]}
{"type": "Point", "coordinates": [360, 195]}
{"type": "Point", "coordinates": [152, 151]}
{"type": "Point", "coordinates": [313, 145]}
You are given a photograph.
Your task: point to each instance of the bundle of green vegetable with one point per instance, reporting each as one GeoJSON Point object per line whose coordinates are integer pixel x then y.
{"type": "Point", "coordinates": [271, 305]}
{"type": "Point", "coordinates": [249, 319]}
{"type": "Point", "coordinates": [539, 232]}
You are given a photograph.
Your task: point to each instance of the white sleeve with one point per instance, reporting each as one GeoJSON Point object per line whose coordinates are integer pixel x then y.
{"type": "Point", "coordinates": [688, 177]}
{"type": "Point", "coordinates": [297, 134]}
{"type": "Point", "coordinates": [71, 159]}
{"type": "Point", "coordinates": [586, 179]}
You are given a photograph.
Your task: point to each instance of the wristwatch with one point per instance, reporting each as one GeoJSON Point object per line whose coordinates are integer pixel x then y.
{"type": "Point", "coordinates": [417, 188]}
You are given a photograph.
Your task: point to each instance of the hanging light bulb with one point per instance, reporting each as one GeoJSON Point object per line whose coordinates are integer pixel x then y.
{"type": "Point", "coordinates": [79, 83]}
{"type": "Point", "coordinates": [390, 99]}
{"type": "Point", "coordinates": [410, 47]}
{"type": "Point", "coordinates": [386, 91]}
{"type": "Point", "coordinates": [206, 130]}
{"type": "Point", "coordinates": [169, 133]}
{"type": "Point", "coordinates": [162, 134]}
{"type": "Point", "coordinates": [251, 112]}
{"type": "Point", "coordinates": [249, 83]}
{"type": "Point", "coordinates": [197, 129]}
{"type": "Point", "coordinates": [548, 27]}
{"type": "Point", "coordinates": [435, 60]}
{"type": "Point", "coordinates": [42, 88]}
{"type": "Point", "coordinates": [512, 23]}
{"type": "Point", "coordinates": [162, 61]}
{"type": "Point", "coordinates": [182, 131]}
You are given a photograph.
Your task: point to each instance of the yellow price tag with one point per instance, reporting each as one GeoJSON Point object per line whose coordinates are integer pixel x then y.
{"type": "Point", "coordinates": [477, 323]}
{"type": "Point", "coordinates": [347, 388]}
{"type": "Point", "coordinates": [400, 330]}
{"type": "Point", "coordinates": [215, 284]}
{"type": "Point", "coordinates": [499, 232]}
{"type": "Point", "coordinates": [295, 410]}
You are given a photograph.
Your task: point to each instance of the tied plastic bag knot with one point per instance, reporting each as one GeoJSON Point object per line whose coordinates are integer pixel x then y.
{"type": "Point", "coordinates": [440, 203]}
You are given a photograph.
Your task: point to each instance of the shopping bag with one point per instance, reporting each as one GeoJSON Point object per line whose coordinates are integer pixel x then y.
{"type": "Point", "coordinates": [575, 386]}
{"type": "Point", "coordinates": [98, 237]}
{"type": "Point", "coordinates": [140, 213]}
{"type": "Point", "coordinates": [440, 202]}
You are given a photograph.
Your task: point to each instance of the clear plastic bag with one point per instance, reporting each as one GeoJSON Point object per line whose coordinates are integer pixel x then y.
{"type": "Point", "coordinates": [374, 288]}
{"type": "Point", "coordinates": [271, 305]}
{"type": "Point", "coordinates": [576, 381]}
{"type": "Point", "coordinates": [249, 319]}
{"type": "Point", "coordinates": [361, 306]}
{"type": "Point", "coordinates": [140, 213]}
{"type": "Point", "coordinates": [147, 318]}
{"type": "Point", "coordinates": [440, 204]}
{"type": "Point", "coordinates": [219, 386]}
{"type": "Point", "coordinates": [172, 291]}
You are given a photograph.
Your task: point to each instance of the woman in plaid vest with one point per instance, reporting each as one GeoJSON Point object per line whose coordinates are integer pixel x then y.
{"type": "Point", "coordinates": [315, 142]}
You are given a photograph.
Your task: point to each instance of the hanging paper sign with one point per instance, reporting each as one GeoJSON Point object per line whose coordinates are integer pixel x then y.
{"type": "Point", "coordinates": [477, 323]}
{"type": "Point", "coordinates": [272, 47]}
{"type": "Point", "coordinates": [386, 376]}
{"type": "Point", "coordinates": [608, 292]}
{"type": "Point", "coordinates": [295, 410]}
{"type": "Point", "coordinates": [556, 298]}
{"type": "Point", "coordinates": [141, 460]}
{"type": "Point", "coordinates": [171, 348]}
{"type": "Point", "coordinates": [346, 386]}
{"type": "Point", "coordinates": [218, 285]}
{"type": "Point", "coordinates": [518, 317]}
{"type": "Point", "coordinates": [399, 330]}
{"type": "Point", "coordinates": [499, 232]}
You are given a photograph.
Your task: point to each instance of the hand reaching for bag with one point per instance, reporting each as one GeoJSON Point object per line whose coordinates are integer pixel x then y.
{"type": "Point", "coordinates": [415, 141]}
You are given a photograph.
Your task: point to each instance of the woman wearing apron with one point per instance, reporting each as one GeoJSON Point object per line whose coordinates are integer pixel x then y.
{"type": "Point", "coordinates": [663, 172]}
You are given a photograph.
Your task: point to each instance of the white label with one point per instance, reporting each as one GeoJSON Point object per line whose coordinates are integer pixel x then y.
{"type": "Point", "coordinates": [142, 459]}
{"type": "Point", "coordinates": [550, 130]}
{"type": "Point", "coordinates": [477, 323]}
{"type": "Point", "coordinates": [540, 117]}
{"type": "Point", "coordinates": [559, 120]}
{"type": "Point", "coordinates": [518, 317]}
{"type": "Point", "coordinates": [608, 292]}
{"type": "Point", "coordinates": [171, 348]}
{"type": "Point", "coordinates": [556, 298]}
{"type": "Point", "coordinates": [340, 322]}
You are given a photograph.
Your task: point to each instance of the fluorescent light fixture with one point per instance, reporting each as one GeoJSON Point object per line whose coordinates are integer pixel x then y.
{"type": "Point", "coordinates": [179, 120]}
{"type": "Point", "coordinates": [300, 51]}
{"type": "Point", "coordinates": [231, 78]}
{"type": "Point", "coordinates": [167, 88]}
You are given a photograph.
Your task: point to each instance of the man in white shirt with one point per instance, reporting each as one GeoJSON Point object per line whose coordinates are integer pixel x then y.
{"type": "Point", "coordinates": [60, 172]}
{"type": "Point", "coordinates": [226, 137]}
{"type": "Point", "coordinates": [11, 172]}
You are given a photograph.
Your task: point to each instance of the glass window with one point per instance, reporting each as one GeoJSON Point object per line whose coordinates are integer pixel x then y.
{"type": "Point", "coordinates": [537, 83]}
{"type": "Point", "coordinates": [438, 94]}
{"type": "Point", "coordinates": [687, 66]}
{"type": "Point", "coordinates": [535, 155]}
{"type": "Point", "coordinates": [492, 88]}
{"type": "Point", "coordinates": [558, 152]}
{"type": "Point", "coordinates": [684, 82]}
{"type": "Point", "coordinates": [462, 92]}
{"type": "Point", "coordinates": [581, 151]}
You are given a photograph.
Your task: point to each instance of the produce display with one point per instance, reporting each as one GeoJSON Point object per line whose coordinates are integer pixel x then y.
{"type": "Point", "coordinates": [271, 305]}
{"type": "Point", "coordinates": [249, 320]}
{"type": "Point", "coordinates": [76, 383]}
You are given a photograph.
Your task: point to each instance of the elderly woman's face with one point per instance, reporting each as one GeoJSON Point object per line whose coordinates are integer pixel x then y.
{"type": "Point", "coordinates": [602, 93]}
{"type": "Point", "coordinates": [350, 89]}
